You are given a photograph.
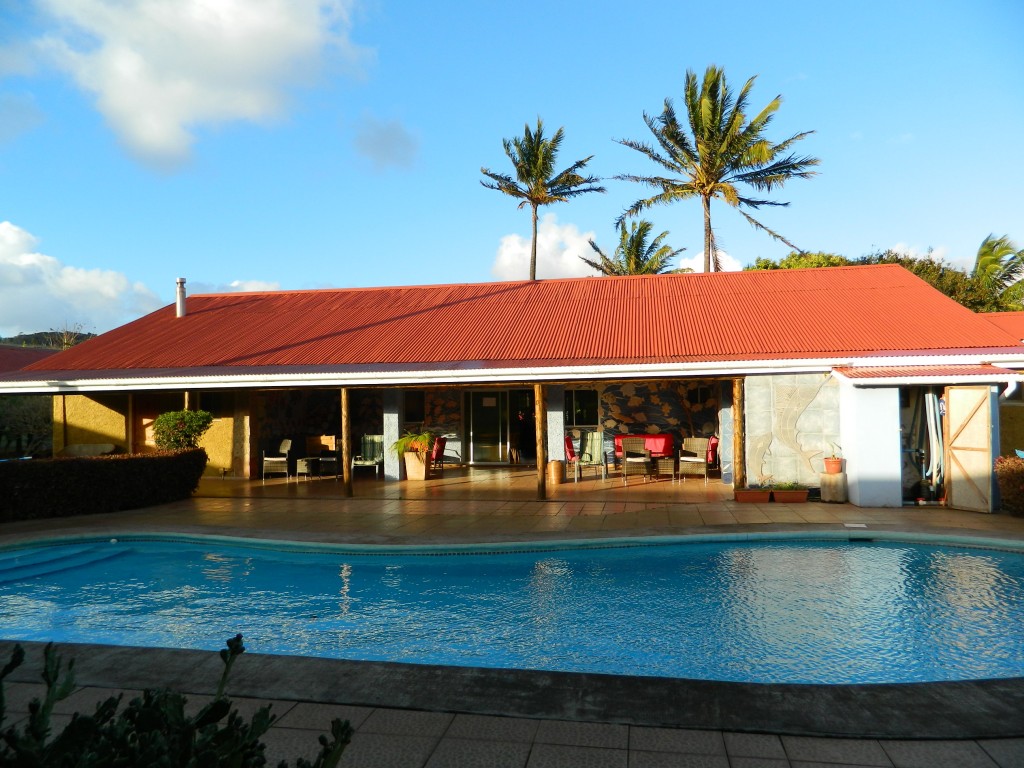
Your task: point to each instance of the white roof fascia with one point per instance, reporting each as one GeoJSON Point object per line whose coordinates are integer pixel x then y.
{"type": "Point", "coordinates": [484, 375]}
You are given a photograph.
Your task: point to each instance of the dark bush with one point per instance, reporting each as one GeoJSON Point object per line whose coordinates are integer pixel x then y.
{"type": "Point", "coordinates": [83, 486]}
{"type": "Point", "coordinates": [151, 730]}
{"type": "Point", "coordinates": [1010, 476]}
{"type": "Point", "coordinates": [181, 430]}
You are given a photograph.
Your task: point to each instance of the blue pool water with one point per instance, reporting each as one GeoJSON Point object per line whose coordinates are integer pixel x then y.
{"type": "Point", "coordinates": [808, 612]}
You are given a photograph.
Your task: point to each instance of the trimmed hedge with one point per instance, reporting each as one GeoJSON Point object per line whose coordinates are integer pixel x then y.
{"type": "Point", "coordinates": [65, 487]}
{"type": "Point", "coordinates": [1010, 476]}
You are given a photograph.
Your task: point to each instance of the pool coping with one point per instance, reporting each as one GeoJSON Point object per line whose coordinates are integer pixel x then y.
{"type": "Point", "coordinates": [942, 710]}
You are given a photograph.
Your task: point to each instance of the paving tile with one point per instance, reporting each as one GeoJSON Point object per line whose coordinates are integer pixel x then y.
{"type": "Point", "coordinates": [407, 722]}
{"type": "Point", "coordinates": [84, 700]}
{"type": "Point", "coordinates": [844, 751]}
{"type": "Point", "coordinates": [642, 759]}
{"type": "Point", "coordinates": [491, 727]}
{"type": "Point", "coordinates": [759, 762]}
{"type": "Point", "coordinates": [1007, 753]}
{"type": "Point", "coordinates": [319, 716]}
{"type": "Point", "coordinates": [471, 753]}
{"type": "Point", "coordinates": [245, 706]}
{"type": "Point", "coordinates": [387, 750]}
{"type": "Point", "coordinates": [290, 744]}
{"type": "Point", "coordinates": [937, 754]}
{"type": "Point", "coordinates": [565, 756]}
{"type": "Point", "coordinates": [583, 734]}
{"type": "Point", "coordinates": [18, 695]}
{"type": "Point", "coordinates": [676, 740]}
{"type": "Point", "coordinates": [754, 745]}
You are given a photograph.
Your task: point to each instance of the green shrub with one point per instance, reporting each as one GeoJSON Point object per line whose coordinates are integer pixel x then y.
{"type": "Point", "coordinates": [152, 730]}
{"type": "Point", "coordinates": [44, 488]}
{"type": "Point", "coordinates": [181, 430]}
{"type": "Point", "coordinates": [1010, 477]}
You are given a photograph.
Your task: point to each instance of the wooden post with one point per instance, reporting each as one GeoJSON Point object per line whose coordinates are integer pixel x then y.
{"type": "Point", "coordinates": [346, 447]}
{"type": "Point", "coordinates": [739, 436]}
{"type": "Point", "coordinates": [540, 418]}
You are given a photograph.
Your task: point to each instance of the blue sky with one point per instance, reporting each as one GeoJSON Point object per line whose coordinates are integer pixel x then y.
{"type": "Point", "coordinates": [253, 144]}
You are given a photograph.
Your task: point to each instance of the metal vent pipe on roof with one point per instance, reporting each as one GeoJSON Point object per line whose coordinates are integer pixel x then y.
{"type": "Point", "coordinates": [180, 301]}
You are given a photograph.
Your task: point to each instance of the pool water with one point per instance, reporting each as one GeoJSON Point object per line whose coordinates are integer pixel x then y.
{"type": "Point", "coordinates": [788, 611]}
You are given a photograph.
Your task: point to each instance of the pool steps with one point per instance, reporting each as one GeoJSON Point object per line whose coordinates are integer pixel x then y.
{"type": "Point", "coordinates": [15, 567]}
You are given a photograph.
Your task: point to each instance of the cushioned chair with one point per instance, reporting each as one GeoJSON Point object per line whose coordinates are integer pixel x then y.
{"type": "Point", "coordinates": [594, 454]}
{"type": "Point", "coordinates": [571, 459]}
{"type": "Point", "coordinates": [437, 455]}
{"type": "Point", "coordinates": [636, 459]}
{"type": "Point", "coordinates": [693, 458]}
{"type": "Point", "coordinates": [276, 464]}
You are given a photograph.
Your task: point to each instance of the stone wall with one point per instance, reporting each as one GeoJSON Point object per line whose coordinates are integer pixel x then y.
{"type": "Point", "coordinates": [791, 422]}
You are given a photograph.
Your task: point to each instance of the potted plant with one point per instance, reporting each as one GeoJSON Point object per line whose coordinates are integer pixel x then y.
{"type": "Point", "coordinates": [414, 449]}
{"type": "Point", "coordinates": [833, 464]}
{"type": "Point", "coordinates": [753, 494]}
{"type": "Point", "coordinates": [789, 493]}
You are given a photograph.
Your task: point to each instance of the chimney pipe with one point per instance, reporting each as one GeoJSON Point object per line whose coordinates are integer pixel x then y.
{"type": "Point", "coordinates": [180, 302]}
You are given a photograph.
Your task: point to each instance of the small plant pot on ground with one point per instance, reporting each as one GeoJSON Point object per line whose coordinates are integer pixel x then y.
{"type": "Point", "coordinates": [416, 465]}
{"type": "Point", "coordinates": [752, 495]}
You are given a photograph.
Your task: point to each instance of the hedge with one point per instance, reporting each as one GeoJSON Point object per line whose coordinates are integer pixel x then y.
{"type": "Point", "coordinates": [1010, 477]}
{"type": "Point", "coordinates": [44, 488]}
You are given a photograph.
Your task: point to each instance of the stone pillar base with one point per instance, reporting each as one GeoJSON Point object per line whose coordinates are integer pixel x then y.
{"type": "Point", "coordinates": [833, 487]}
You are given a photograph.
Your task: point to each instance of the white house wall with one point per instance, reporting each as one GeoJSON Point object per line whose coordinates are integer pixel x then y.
{"type": "Point", "coordinates": [870, 422]}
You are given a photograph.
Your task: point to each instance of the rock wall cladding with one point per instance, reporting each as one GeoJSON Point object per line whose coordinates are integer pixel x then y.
{"type": "Point", "coordinates": [299, 413]}
{"type": "Point", "coordinates": [681, 408]}
{"type": "Point", "coordinates": [791, 423]}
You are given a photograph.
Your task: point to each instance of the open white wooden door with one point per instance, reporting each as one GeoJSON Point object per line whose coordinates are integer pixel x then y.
{"type": "Point", "coordinates": [969, 438]}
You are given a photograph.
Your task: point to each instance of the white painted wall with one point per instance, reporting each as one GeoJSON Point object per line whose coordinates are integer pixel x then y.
{"type": "Point", "coordinates": [869, 424]}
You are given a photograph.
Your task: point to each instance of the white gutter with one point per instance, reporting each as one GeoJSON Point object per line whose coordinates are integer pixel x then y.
{"type": "Point", "coordinates": [484, 375]}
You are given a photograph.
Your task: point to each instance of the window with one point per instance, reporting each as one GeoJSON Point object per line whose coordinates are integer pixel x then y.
{"type": "Point", "coordinates": [581, 408]}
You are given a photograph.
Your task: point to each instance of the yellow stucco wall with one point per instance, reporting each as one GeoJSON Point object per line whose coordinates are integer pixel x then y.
{"type": "Point", "coordinates": [219, 444]}
{"type": "Point", "coordinates": [88, 419]}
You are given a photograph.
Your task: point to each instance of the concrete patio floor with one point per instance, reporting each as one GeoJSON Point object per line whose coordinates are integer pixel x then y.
{"type": "Point", "coordinates": [417, 715]}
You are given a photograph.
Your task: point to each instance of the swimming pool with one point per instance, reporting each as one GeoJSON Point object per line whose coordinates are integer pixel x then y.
{"type": "Point", "coordinates": [757, 611]}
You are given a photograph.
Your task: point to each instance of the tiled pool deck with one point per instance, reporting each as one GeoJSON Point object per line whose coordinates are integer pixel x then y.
{"type": "Point", "coordinates": [409, 715]}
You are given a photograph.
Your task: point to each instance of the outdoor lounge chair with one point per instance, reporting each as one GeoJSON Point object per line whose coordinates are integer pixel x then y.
{"type": "Point", "coordinates": [277, 464]}
{"type": "Point", "coordinates": [593, 453]}
{"type": "Point", "coordinates": [437, 455]}
{"type": "Point", "coordinates": [693, 458]}
{"type": "Point", "coordinates": [636, 459]}
{"type": "Point", "coordinates": [371, 453]}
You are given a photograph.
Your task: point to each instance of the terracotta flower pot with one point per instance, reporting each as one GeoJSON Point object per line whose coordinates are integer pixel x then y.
{"type": "Point", "coordinates": [795, 496]}
{"type": "Point", "coordinates": [833, 466]}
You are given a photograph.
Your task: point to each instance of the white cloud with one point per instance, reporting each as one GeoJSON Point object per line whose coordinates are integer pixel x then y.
{"type": "Point", "coordinates": [696, 263]}
{"type": "Point", "coordinates": [159, 70]}
{"type": "Point", "coordinates": [385, 143]}
{"type": "Point", "coordinates": [559, 247]}
{"type": "Point", "coordinates": [38, 292]}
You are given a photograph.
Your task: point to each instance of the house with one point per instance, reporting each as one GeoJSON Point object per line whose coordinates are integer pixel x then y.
{"type": "Point", "coordinates": [782, 365]}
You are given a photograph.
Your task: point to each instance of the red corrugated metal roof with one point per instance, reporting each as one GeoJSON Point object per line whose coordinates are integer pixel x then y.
{"type": "Point", "coordinates": [924, 371]}
{"type": "Point", "coordinates": [1011, 322]}
{"type": "Point", "coordinates": [13, 358]}
{"type": "Point", "coordinates": [779, 314]}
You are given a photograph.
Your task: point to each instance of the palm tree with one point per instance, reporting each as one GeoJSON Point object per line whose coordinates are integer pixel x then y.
{"type": "Point", "coordinates": [536, 183]}
{"type": "Point", "coordinates": [999, 266]}
{"type": "Point", "coordinates": [634, 256]}
{"type": "Point", "coordinates": [721, 150]}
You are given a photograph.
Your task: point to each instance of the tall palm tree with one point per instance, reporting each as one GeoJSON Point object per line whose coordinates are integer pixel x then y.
{"type": "Point", "coordinates": [999, 266]}
{"type": "Point", "coordinates": [633, 255]}
{"type": "Point", "coordinates": [536, 183]}
{"type": "Point", "coordinates": [721, 150]}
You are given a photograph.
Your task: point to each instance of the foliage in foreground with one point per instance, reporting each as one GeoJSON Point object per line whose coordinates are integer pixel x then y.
{"type": "Point", "coordinates": [153, 730]}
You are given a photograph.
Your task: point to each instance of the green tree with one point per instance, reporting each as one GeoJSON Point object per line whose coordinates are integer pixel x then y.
{"type": "Point", "coordinates": [721, 152]}
{"type": "Point", "coordinates": [634, 255]}
{"type": "Point", "coordinates": [796, 260]}
{"type": "Point", "coordinates": [536, 182]}
{"type": "Point", "coordinates": [999, 265]}
{"type": "Point", "coordinates": [963, 288]}
{"type": "Point", "coordinates": [180, 430]}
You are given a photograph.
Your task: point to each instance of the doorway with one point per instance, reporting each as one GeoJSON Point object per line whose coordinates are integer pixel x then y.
{"type": "Point", "coordinates": [500, 426]}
